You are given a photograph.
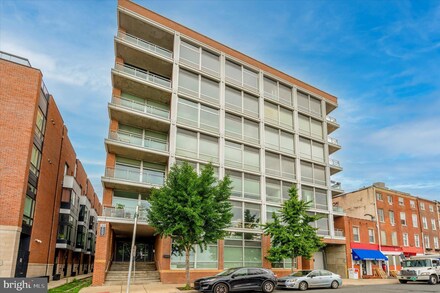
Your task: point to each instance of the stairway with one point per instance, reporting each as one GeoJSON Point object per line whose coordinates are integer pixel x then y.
{"type": "Point", "coordinates": [144, 273]}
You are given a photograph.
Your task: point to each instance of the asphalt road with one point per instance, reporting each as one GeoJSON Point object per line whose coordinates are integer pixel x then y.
{"type": "Point", "coordinates": [401, 288]}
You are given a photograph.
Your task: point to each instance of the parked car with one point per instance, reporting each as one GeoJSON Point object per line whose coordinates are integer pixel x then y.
{"type": "Point", "coordinates": [303, 280]}
{"type": "Point", "coordinates": [238, 279]}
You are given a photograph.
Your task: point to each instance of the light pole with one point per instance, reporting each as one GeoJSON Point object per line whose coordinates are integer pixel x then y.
{"type": "Point", "coordinates": [136, 215]}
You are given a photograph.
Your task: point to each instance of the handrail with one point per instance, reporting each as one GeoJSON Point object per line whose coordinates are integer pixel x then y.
{"type": "Point", "coordinates": [331, 119]}
{"type": "Point", "coordinates": [137, 106]}
{"type": "Point", "coordinates": [145, 176]}
{"type": "Point", "coordinates": [148, 142]}
{"type": "Point", "coordinates": [332, 140]}
{"type": "Point", "coordinates": [14, 58]}
{"type": "Point", "coordinates": [334, 162]}
{"type": "Point", "coordinates": [145, 44]}
{"type": "Point", "coordinates": [142, 74]}
{"type": "Point", "coordinates": [336, 185]}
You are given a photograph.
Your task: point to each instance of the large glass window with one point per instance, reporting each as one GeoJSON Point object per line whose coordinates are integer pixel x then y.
{"type": "Point", "coordinates": [277, 191]}
{"type": "Point", "coordinates": [246, 215]}
{"type": "Point", "coordinates": [28, 213]}
{"type": "Point", "coordinates": [198, 259]}
{"type": "Point", "coordinates": [40, 124]}
{"type": "Point", "coordinates": [233, 71]}
{"type": "Point", "coordinates": [35, 161]}
{"type": "Point", "coordinates": [197, 146]}
{"type": "Point", "coordinates": [277, 91]}
{"type": "Point", "coordinates": [310, 126]}
{"type": "Point", "coordinates": [241, 102]}
{"type": "Point", "coordinates": [245, 185]}
{"type": "Point", "coordinates": [270, 210]}
{"type": "Point", "coordinates": [313, 173]}
{"type": "Point", "coordinates": [240, 128]}
{"type": "Point", "coordinates": [189, 84]}
{"type": "Point", "coordinates": [322, 224]}
{"type": "Point", "coordinates": [198, 115]}
{"type": "Point", "coordinates": [243, 157]}
{"type": "Point", "coordinates": [278, 115]}
{"type": "Point", "coordinates": [317, 197]}
{"type": "Point", "coordinates": [210, 90]}
{"type": "Point", "coordinates": [241, 75]}
{"type": "Point", "coordinates": [279, 140]}
{"type": "Point", "coordinates": [210, 62]}
{"type": "Point", "coordinates": [309, 104]}
{"type": "Point", "coordinates": [189, 54]}
{"type": "Point", "coordinates": [311, 150]}
{"type": "Point", "coordinates": [242, 250]}
{"type": "Point", "coordinates": [279, 165]}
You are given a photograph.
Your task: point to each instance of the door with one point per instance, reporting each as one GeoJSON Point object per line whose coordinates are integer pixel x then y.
{"type": "Point", "coordinates": [327, 278]}
{"type": "Point", "coordinates": [314, 279]}
{"type": "Point", "coordinates": [256, 278]}
{"type": "Point", "coordinates": [318, 258]}
{"type": "Point", "coordinates": [240, 280]}
{"type": "Point", "coordinates": [369, 268]}
{"type": "Point", "coordinates": [22, 264]}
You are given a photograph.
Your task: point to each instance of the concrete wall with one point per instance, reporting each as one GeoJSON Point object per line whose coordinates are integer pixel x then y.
{"type": "Point", "coordinates": [336, 259]}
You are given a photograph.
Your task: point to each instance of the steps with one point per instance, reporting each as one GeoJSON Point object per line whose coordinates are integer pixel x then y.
{"type": "Point", "coordinates": [145, 272]}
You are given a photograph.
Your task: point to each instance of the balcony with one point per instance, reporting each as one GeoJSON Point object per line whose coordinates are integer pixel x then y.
{"type": "Point", "coordinates": [332, 124]}
{"type": "Point", "coordinates": [143, 75]}
{"type": "Point", "coordinates": [134, 180]}
{"type": "Point", "coordinates": [137, 146]}
{"type": "Point", "coordinates": [123, 215]}
{"type": "Point", "coordinates": [70, 182]}
{"type": "Point", "coordinates": [335, 166]}
{"type": "Point", "coordinates": [139, 114]}
{"type": "Point", "coordinates": [145, 45]}
{"type": "Point", "coordinates": [336, 188]}
{"type": "Point", "coordinates": [339, 233]}
{"type": "Point", "coordinates": [333, 145]}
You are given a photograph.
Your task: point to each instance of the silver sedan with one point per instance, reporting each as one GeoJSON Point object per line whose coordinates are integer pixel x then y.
{"type": "Point", "coordinates": [303, 280]}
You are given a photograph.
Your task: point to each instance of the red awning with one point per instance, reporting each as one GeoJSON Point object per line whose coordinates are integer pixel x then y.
{"type": "Point", "coordinates": [409, 251]}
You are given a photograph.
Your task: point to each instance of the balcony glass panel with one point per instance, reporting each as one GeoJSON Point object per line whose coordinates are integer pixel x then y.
{"type": "Point", "coordinates": [145, 44]}
{"type": "Point", "coordinates": [144, 75]}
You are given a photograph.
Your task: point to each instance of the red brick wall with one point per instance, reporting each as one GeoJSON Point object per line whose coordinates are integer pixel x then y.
{"type": "Point", "coordinates": [429, 216]}
{"type": "Point", "coordinates": [20, 90]}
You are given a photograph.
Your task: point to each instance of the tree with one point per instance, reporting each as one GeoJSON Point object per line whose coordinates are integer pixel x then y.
{"type": "Point", "coordinates": [291, 233]}
{"type": "Point", "coordinates": [192, 209]}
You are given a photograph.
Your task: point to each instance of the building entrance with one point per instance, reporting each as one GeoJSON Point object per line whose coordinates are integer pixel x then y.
{"type": "Point", "coordinates": [144, 250]}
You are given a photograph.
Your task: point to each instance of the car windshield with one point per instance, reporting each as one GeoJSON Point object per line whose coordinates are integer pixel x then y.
{"type": "Point", "coordinates": [416, 263]}
{"type": "Point", "coordinates": [300, 273]}
{"type": "Point", "coordinates": [226, 272]}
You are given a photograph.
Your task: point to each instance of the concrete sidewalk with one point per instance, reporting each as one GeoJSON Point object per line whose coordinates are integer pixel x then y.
{"type": "Point", "coordinates": [54, 284]}
{"type": "Point", "coordinates": [172, 288]}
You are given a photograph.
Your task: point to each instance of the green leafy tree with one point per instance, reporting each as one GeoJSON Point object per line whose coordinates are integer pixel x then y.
{"type": "Point", "coordinates": [290, 231]}
{"type": "Point", "coordinates": [192, 209]}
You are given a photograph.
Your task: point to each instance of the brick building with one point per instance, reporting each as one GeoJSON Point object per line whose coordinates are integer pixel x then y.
{"type": "Point", "coordinates": [404, 225]}
{"type": "Point", "coordinates": [41, 181]}
{"type": "Point", "coordinates": [181, 96]}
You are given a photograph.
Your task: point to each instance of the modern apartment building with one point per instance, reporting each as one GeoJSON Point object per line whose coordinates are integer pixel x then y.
{"type": "Point", "coordinates": [181, 96]}
{"type": "Point", "coordinates": [405, 226]}
{"type": "Point", "coordinates": [48, 208]}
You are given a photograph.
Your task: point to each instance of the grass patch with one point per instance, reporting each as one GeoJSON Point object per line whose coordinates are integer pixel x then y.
{"type": "Point", "coordinates": [72, 287]}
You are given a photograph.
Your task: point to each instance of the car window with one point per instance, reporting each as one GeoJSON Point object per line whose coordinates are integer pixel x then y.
{"type": "Point", "coordinates": [241, 272]}
{"type": "Point", "coordinates": [255, 272]}
{"type": "Point", "coordinates": [326, 273]}
{"type": "Point", "coordinates": [314, 274]}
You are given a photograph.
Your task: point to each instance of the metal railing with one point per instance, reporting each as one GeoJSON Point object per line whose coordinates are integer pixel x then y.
{"type": "Point", "coordinates": [339, 233]}
{"type": "Point", "coordinates": [145, 44]}
{"type": "Point", "coordinates": [14, 58]}
{"type": "Point", "coordinates": [334, 163]}
{"type": "Point", "coordinates": [124, 213]}
{"type": "Point", "coordinates": [332, 140]}
{"type": "Point", "coordinates": [144, 75]}
{"type": "Point", "coordinates": [331, 119]}
{"type": "Point", "coordinates": [338, 209]}
{"type": "Point", "coordinates": [336, 185]}
{"type": "Point", "coordinates": [135, 139]}
{"type": "Point", "coordinates": [150, 177]}
{"type": "Point", "coordinates": [141, 107]}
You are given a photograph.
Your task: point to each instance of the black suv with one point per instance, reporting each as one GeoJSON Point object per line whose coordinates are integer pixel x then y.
{"type": "Point", "coordinates": [238, 279]}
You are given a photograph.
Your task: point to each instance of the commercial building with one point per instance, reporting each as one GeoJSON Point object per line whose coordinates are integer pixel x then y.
{"type": "Point", "coordinates": [181, 96]}
{"type": "Point", "coordinates": [48, 208]}
{"type": "Point", "coordinates": [399, 225]}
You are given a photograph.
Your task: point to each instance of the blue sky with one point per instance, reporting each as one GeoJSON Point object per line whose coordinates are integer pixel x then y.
{"type": "Point", "coordinates": [380, 58]}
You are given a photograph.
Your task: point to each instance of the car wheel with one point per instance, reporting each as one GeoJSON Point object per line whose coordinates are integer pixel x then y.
{"type": "Point", "coordinates": [433, 279]}
{"type": "Point", "coordinates": [334, 285]}
{"type": "Point", "coordinates": [403, 281]}
{"type": "Point", "coordinates": [221, 288]}
{"type": "Point", "coordinates": [268, 287]}
{"type": "Point", "coordinates": [303, 286]}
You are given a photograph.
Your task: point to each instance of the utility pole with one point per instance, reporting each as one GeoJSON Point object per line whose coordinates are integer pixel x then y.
{"type": "Point", "coordinates": [132, 252]}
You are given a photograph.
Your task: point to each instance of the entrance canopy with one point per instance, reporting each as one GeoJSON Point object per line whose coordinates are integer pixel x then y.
{"type": "Point", "coordinates": [365, 254]}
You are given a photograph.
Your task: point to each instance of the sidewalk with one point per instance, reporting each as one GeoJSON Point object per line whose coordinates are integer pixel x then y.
{"type": "Point", "coordinates": [366, 282]}
{"type": "Point", "coordinates": [172, 288]}
{"type": "Point", "coordinates": [54, 284]}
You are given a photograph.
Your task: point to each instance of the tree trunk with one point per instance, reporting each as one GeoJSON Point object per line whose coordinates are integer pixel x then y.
{"type": "Point", "coordinates": [293, 263]}
{"type": "Point", "coordinates": [187, 250]}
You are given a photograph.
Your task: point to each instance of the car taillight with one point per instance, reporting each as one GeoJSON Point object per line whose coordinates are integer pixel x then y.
{"type": "Point", "coordinates": [275, 275]}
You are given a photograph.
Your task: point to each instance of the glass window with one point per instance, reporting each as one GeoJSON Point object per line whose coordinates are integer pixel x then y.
{"type": "Point", "coordinates": [286, 118]}
{"type": "Point", "coordinates": [319, 175]}
{"type": "Point", "coordinates": [233, 154]}
{"type": "Point", "coordinates": [356, 237]}
{"type": "Point", "coordinates": [250, 105]}
{"type": "Point", "coordinates": [392, 220]}
{"type": "Point", "coordinates": [233, 99]}
{"type": "Point", "coordinates": [405, 239]}
{"type": "Point", "coordinates": [251, 187]}
{"type": "Point", "coordinates": [210, 90]}
{"type": "Point", "coordinates": [273, 164]}
{"type": "Point", "coordinates": [233, 127]}
{"type": "Point", "coordinates": [316, 128]}
{"type": "Point", "coordinates": [371, 236]}
{"type": "Point", "coordinates": [270, 210]}
{"type": "Point", "coordinates": [305, 149]}
{"type": "Point", "coordinates": [198, 259]}
{"type": "Point", "coordinates": [188, 112]}
{"type": "Point", "coordinates": [286, 142]}
{"type": "Point", "coordinates": [315, 106]}
{"type": "Point", "coordinates": [243, 249]}
{"type": "Point", "coordinates": [322, 225]}
{"type": "Point", "coordinates": [252, 215]}
{"type": "Point", "coordinates": [209, 118]}
{"type": "Point", "coordinates": [285, 93]}
{"type": "Point", "coordinates": [210, 62]}
{"type": "Point", "coordinates": [273, 191]}
{"type": "Point", "coordinates": [402, 218]}
{"type": "Point", "coordinates": [28, 213]}
{"type": "Point", "coordinates": [251, 159]}
{"type": "Point", "coordinates": [250, 78]}
{"type": "Point", "coordinates": [40, 124]}
{"type": "Point", "coordinates": [303, 101]}
{"type": "Point", "coordinates": [272, 138]}
{"type": "Point", "coordinates": [321, 199]}
{"type": "Point", "coordinates": [251, 131]}
{"type": "Point", "coordinates": [186, 143]}
{"type": "Point", "coordinates": [270, 88]}
{"type": "Point", "coordinates": [189, 83]}
{"type": "Point", "coordinates": [416, 240]}
{"type": "Point", "coordinates": [383, 237]}
{"type": "Point", "coordinates": [309, 104]}
{"type": "Point", "coordinates": [381, 215]}
{"type": "Point", "coordinates": [307, 195]}
{"type": "Point", "coordinates": [208, 148]}
{"type": "Point", "coordinates": [415, 221]}
{"type": "Point", "coordinates": [306, 172]}
{"type": "Point", "coordinates": [317, 151]}
{"type": "Point", "coordinates": [271, 112]}
{"type": "Point", "coordinates": [35, 160]}
{"type": "Point", "coordinates": [233, 71]}
{"type": "Point", "coordinates": [288, 167]}
{"type": "Point", "coordinates": [190, 53]}
{"type": "Point", "coordinates": [237, 182]}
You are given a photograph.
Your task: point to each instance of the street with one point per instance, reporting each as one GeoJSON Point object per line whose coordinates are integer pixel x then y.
{"type": "Point", "coordinates": [401, 288]}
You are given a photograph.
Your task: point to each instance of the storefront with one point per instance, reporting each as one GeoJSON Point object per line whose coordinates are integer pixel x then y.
{"type": "Point", "coordinates": [367, 261]}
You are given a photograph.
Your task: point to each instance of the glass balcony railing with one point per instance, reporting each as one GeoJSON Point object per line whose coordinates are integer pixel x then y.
{"type": "Point", "coordinates": [144, 75]}
{"type": "Point", "coordinates": [334, 163]}
{"type": "Point", "coordinates": [145, 44]}
{"type": "Point", "coordinates": [332, 140]}
{"type": "Point", "coordinates": [150, 177]}
{"type": "Point", "coordinates": [136, 139]}
{"type": "Point", "coordinates": [339, 233]}
{"type": "Point", "coordinates": [336, 185]}
{"type": "Point", "coordinates": [141, 107]}
{"type": "Point", "coordinates": [15, 59]}
{"type": "Point", "coordinates": [125, 213]}
{"type": "Point", "coordinates": [338, 209]}
{"type": "Point", "coordinates": [331, 119]}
